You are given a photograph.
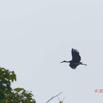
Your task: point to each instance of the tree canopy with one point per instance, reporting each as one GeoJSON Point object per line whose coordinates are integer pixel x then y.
{"type": "Point", "coordinates": [10, 95]}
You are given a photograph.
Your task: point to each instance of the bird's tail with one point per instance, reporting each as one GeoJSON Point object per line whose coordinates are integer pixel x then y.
{"type": "Point", "coordinates": [83, 64]}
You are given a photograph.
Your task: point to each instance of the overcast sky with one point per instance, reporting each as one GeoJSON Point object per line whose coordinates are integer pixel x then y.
{"type": "Point", "coordinates": [36, 35]}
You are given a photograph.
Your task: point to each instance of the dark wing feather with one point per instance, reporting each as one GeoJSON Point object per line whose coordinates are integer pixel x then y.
{"type": "Point", "coordinates": [73, 66]}
{"type": "Point", "coordinates": [75, 55]}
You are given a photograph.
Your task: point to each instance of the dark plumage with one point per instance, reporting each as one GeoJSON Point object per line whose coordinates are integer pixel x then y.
{"type": "Point", "coordinates": [75, 59]}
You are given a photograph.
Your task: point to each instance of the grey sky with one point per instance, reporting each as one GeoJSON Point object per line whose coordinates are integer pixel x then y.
{"type": "Point", "coordinates": [35, 36]}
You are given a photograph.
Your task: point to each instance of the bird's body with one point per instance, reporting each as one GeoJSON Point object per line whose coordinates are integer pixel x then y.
{"type": "Point", "coordinates": [75, 59]}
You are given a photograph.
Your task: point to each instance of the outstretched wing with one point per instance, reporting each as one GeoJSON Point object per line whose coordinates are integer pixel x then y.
{"type": "Point", "coordinates": [75, 55]}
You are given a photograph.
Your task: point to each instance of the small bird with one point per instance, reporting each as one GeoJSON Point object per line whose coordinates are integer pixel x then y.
{"type": "Point", "coordinates": [75, 59]}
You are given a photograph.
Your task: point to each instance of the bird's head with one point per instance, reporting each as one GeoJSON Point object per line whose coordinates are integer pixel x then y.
{"type": "Point", "coordinates": [64, 61]}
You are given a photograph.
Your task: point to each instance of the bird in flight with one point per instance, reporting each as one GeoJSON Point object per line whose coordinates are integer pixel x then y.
{"type": "Point", "coordinates": [75, 59]}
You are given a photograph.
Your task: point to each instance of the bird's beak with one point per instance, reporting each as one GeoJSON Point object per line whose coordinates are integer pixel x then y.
{"type": "Point", "coordinates": [62, 62]}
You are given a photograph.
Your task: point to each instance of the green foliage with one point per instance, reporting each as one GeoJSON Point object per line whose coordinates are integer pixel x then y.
{"type": "Point", "coordinates": [9, 95]}
{"type": "Point", "coordinates": [61, 101]}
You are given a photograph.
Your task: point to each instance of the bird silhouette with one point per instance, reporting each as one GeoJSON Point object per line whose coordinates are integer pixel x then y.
{"type": "Point", "coordinates": [75, 59]}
